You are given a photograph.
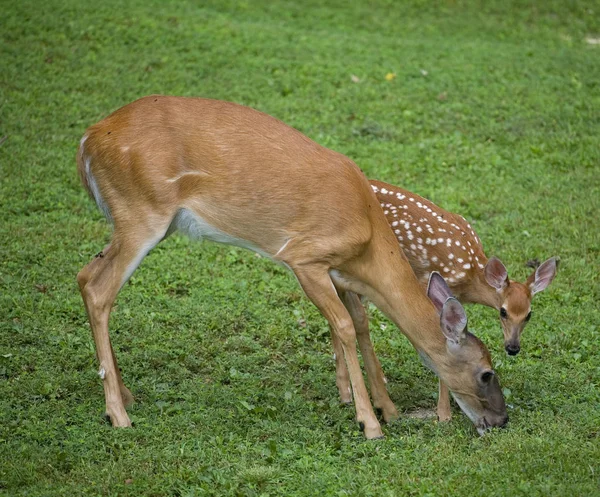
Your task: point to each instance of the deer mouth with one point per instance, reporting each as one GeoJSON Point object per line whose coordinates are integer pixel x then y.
{"type": "Point", "coordinates": [483, 427]}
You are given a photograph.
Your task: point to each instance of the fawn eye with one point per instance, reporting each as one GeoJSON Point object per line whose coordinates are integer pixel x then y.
{"type": "Point", "coordinates": [486, 376]}
{"type": "Point", "coordinates": [528, 316]}
{"type": "Point", "coordinates": [503, 313]}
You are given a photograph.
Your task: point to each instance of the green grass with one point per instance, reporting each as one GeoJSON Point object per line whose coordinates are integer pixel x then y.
{"type": "Point", "coordinates": [493, 113]}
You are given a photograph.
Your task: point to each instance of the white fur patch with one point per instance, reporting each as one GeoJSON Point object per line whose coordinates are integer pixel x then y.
{"type": "Point", "coordinates": [94, 186]}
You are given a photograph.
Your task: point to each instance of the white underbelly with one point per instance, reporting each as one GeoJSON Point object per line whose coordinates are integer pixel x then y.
{"type": "Point", "coordinates": [192, 225]}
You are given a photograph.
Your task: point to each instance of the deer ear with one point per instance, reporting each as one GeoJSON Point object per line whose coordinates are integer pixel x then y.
{"type": "Point", "coordinates": [496, 274]}
{"type": "Point", "coordinates": [543, 276]}
{"type": "Point", "coordinates": [453, 321]}
{"type": "Point", "coordinates": [438, 291]}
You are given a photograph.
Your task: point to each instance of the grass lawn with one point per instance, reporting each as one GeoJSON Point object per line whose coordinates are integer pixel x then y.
{"type": "Point", "coordinates": [490, 109]}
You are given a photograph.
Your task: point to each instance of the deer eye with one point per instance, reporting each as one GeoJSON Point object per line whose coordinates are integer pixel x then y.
{"type": "Point", "coordinates": [528, 316]}
{"type": "Point", "coordinates": [486, 376]}
{"type": "Point", "coordinates": [503, 313]}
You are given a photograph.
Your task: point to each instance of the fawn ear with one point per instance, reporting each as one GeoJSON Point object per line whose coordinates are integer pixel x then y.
{"type": "Point", "coordinates": [453, 321]}
{"type": "Point", "coordinates": [438, 291]}
{"type": "Point", "coordinates": [543, 276]}
{"type": "Point", "coordinates": [496, 274]}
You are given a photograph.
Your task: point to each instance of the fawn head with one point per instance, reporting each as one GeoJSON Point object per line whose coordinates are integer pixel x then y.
{"type": "Point", "coordinates": [515, 297]}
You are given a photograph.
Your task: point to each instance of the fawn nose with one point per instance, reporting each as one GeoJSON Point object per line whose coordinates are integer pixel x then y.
{"type": "Point", "coordinates": [512, 349]}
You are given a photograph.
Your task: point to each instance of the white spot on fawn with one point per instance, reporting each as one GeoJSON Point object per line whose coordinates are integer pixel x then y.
{"type": "Point", "coordinates": [467, 266]}
{"type": "Point", "coordinates": [451, 256]}
{"type": "Point", "coordinates": [384, 191]}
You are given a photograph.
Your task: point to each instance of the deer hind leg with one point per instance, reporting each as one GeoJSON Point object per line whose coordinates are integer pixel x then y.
{"type": "Point", "coordinates": [99, 283]}
{"type": "Point", "coordinates": [342, 379]}
{"type": "Point", "coordinates": [319, 288]}
{"type": "Point", "coordinates": [381, 399]}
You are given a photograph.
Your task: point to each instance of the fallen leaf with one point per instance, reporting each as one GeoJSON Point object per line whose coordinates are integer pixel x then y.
{"type": "Point", "coordinates": [41, 288]}
{"type": "Point", "coordinates": [592, 41]}
{"type": "Point", "coordinates": [390, 76]}
{"type": "Point", "coordinates": [442, 96]}
{"type": "Point", "coordinates": [424, 72]}
{"type": "Point", "coordinates": [355, 79]}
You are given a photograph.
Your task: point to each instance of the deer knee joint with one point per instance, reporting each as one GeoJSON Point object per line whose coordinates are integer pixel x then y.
{"type": "Point", "coordinates": [346, 332]}
{"type": "Point", "coordinates": [82, 278]}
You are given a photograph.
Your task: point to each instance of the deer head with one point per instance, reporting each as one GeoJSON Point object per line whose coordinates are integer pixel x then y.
{"type": "Point", "coordinates": [471, 362]}
{"type": "Point", "coordinates": [514, 298]}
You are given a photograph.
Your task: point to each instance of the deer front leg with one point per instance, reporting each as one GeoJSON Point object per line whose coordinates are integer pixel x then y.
{"type": "Point", "coordinates": [319, 288]}
{"type": "Point", "coordinates": [381, 399]}
{"type": "Point", "coordinates": [444, 412]}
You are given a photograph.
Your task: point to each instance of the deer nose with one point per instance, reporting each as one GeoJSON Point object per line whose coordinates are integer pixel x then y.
{"type": "Point", "coordinates": [505, 422]}
{"type": "Point", "coordinates": [512, 349]}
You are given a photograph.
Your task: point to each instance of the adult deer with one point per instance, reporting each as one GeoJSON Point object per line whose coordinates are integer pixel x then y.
{"type": "Point", "coordinates": [227, 173]}
{"type": "Point", "coordinates": [437, 240]}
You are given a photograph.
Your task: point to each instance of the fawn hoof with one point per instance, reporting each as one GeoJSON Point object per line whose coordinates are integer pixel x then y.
{"type": "Point", "coordinates": [444, 417]}
{"type": "Point", "coordinates": [118, 419]}
{"type": "Point", "coordinates": [346, 399]}
{"type": "Point", "coordinates": [372, 431]}
{"type": "Point", "coordinates": [389, 414]}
